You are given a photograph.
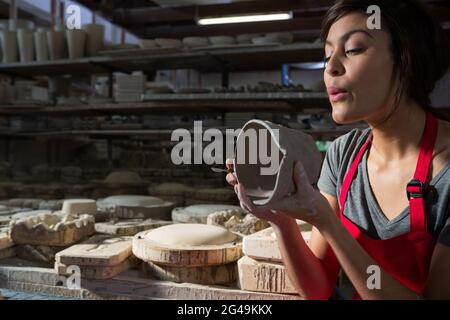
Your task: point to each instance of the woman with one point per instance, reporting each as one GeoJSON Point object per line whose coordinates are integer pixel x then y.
{"type": "Point", "coordinates": [362, 216]}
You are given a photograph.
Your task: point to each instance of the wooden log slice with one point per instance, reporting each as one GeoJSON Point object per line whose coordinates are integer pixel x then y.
{"type": "Point", "coordinates": [98, 272]}
{"type": "Point", "coordinates": [192, 245]}
{"type": "Point", "coordinates": [129, 227]}
{"type": "Point", "coordinates": [210, 275]}
{"type": "Point", "coordinates": [99, 250]}
{"type": "Point", "coordinates": [263, 245]}
{"type": "Point", "coordinates": [263, 277]}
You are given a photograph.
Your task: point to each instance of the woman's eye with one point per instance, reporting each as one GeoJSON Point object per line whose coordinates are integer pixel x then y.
{"type": "Point", "coordinates": [354, 51]}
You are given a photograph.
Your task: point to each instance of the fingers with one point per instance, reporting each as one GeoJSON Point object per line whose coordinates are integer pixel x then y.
{"type": "Point", "coordinates": [246, 203]}
{"type": "Point", "coordinates": [230, 164]}
{"type": "Point", "coordinates": [300, 177]}
{"type": "Point", "coordinates": [231, 179]}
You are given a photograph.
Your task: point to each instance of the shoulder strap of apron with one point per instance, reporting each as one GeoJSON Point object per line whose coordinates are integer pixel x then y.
{"type": "Point", "coordinates": [351, 174]}
{"type": "Point", "coordinates": [416, 188]}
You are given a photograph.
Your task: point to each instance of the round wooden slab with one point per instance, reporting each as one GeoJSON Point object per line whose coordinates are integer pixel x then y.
{"type": "Point", "coordinates": [190, 245]}
{"type": "Point", "coordinates": [209, 275]}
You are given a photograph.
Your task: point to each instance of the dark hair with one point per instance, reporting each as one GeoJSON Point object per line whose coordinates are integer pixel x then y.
{"type": "Point", "coordinates": [419, 45]}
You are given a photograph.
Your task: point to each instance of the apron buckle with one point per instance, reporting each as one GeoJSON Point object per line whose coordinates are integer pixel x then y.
{"type": "Point", "coordinates": [415, 189]}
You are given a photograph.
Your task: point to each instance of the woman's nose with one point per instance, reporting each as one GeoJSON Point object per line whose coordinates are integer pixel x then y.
{"type": "Point", "coordinates": [334, 67]}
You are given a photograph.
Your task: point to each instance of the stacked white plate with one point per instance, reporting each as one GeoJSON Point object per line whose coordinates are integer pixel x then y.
{"type": "Point", "coordinates": [272, 38]}
{"type": "Point", "coordinates": [222, 40]}
{"type": "Point", "coordinates": [246, 38]}
{"type": "Point", "coordinates": [147, 44]}
{"type": "Point", "coordinates": [129, 88]}
{"type": "Point", "coordinates": [169, 43]}
{"type": "Point", "coordinates": [194, 42]}
{"type": "Point", "coordinates": [237, 119]}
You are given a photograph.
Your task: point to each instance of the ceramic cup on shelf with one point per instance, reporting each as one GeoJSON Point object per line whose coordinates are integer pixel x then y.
{"type": "Point", "coordinates": [265, 166]}
{"type": "Point", "coordinates": [56, 44]}
{"type": "Point", "coordinates": [41, 44]}
{"type": "Point", "coordinates": [8, 40]}
{"type": "Point", "coordinates": [76, 41]}
{"type": "Point", "coordinates": [95, 35]}
{"type": "Point", "coordinates": [26, 44]}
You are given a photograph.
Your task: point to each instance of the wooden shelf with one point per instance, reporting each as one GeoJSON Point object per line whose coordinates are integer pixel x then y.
{"type": "Point", "coordinates": [130, 134]}
{"type": "Point", "coordinates": [214, 60]}
{"type": "Point", "coordinates": [186, 103]}
{"type": "Point", "coordinates": [244, 96]}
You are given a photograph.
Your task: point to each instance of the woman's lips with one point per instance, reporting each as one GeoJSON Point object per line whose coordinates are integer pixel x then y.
{"type": "Point", "coordinates": [337, 94]}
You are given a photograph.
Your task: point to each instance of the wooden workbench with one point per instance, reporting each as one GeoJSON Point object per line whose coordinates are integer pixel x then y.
{"type": "Point", "coordinates": [19, 275]}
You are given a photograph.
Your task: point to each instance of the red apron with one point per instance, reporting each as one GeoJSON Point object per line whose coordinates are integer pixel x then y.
{"type": "Point", "coordinates": [406, 257]}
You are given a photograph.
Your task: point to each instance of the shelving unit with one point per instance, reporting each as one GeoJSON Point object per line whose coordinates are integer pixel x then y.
{"type": "Point", "coordinates": [214, 60]}
{"type": "Point", "coordinates": [186, 103]}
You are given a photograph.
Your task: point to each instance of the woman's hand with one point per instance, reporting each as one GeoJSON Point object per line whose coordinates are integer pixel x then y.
{"type": "Point", "coordinates": [305, 203]}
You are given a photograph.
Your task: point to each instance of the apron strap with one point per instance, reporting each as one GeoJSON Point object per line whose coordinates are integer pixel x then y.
{"type": "Point", "coordinates": [351, 174]}
{"type": "Point", "coordinates": [416, 188]}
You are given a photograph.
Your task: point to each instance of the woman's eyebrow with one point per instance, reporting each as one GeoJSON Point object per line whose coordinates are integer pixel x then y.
{"type": "Point", "coordinates": [348, 34]}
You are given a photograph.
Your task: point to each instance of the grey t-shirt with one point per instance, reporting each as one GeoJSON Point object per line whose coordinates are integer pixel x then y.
{"type": "Point", "coordinates": [361, 206]}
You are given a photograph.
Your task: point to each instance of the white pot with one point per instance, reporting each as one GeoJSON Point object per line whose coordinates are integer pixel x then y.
{"type": "Point", "coordinates": [95, 38]}
{"type": "Point", "coordinates": [9, 46]}
{"type": "Point", "coordinates": [263, 186]}
{"type": "Point", "coordinates": [281, 37]}
{"type": "Point", "coordinates": [222, 40]}
{"type": "Point", "coordinates": [26, 45]}
{"type": "Point", "coordinates": [246, 38]}
{"type": "Point", "coordinates": [76, 41]}
{"type": "Point", "coordinates": [41, 44]}
{"type": "Point", "coordinates": [193, 42]}
{"type": "Point", "coordinates": [56, 44]}
{"type": "Point", "coordinates": [148, 44]}
{"type": "Point", "coordinates": [169, 43]}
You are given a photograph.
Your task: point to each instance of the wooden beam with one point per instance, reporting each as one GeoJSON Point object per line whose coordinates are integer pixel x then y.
{"type": "Point", "coordinates": [300, 24]}
{"type": "Point", "coordinates": [13, 9]}
{"type": "Point", "coordinates": [145, 15]}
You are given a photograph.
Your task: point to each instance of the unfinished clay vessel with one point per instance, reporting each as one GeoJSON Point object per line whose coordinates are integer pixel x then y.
{"type": "Point", "coordinates": [79, 206]}
{"type": "Point", "coordinates": [52, 229]}
{"type": "Point", "coordinates": [95, 38]}
{"type": "Point", "coordinates": [41, 44]}
{"type": "Point", "coordinates": [56, 44]}
{"type": "Point", "coordinates": [76, 40]}
{"type": "Point", "coordinates": [26, 45]}
{"type": "Point", "coordinates": [269, 177]}
{"type": "Point", "coordinates": [136, 207]}
{"type": "Point", "coordinates": [170, 191]}
{"type": "Point", "coordinates": [9, 46]}
{"type": "Point", "coordinates": [199, 213]}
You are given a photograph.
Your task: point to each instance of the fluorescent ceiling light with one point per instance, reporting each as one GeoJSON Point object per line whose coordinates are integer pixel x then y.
{"type": "Point", "coordinates": [246, 18]}
{"type": "Point", "coordinates": [308, 65]}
